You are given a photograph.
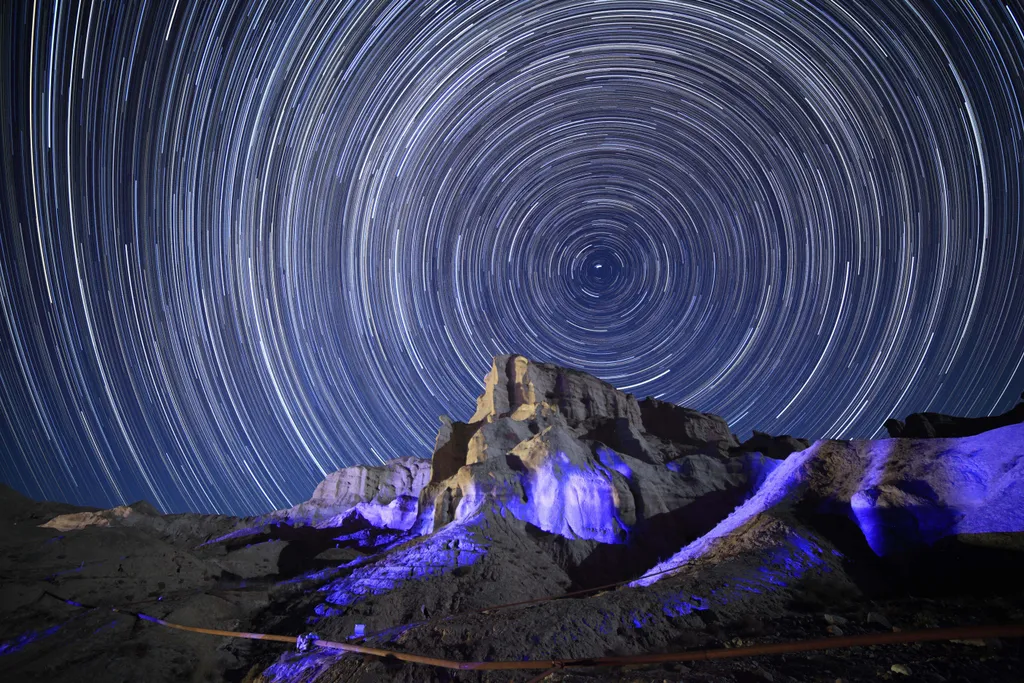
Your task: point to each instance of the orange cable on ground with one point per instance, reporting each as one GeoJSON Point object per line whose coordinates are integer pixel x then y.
{"type": "Point", "coordinates": [551, 665]}
{"type": "Point", "coordinates": [954, 633]}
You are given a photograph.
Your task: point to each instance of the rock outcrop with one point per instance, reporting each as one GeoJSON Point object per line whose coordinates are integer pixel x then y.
{"type": "Point", "coordinates": [687, 427]}
{"type": "Point", "coordinates": [939, 426]}
{"type": "Point", "coordinates": [16, 508]}
{"type": "Point", "coordinates": [139, 513]}
{"type": "Point", "coordinates": [775, 447]}
{"type": "Point", "coordinates": [899, 496]}
{"type": "Point", "coordinates": [517, 387]}
{"type": "Point", "coordinates": [574, 457]}
{"type": "Point", "coordinates": [383, 495]}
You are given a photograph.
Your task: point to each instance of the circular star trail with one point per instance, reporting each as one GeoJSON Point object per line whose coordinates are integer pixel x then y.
{"type": "Point", "coordinates": [246, 244]}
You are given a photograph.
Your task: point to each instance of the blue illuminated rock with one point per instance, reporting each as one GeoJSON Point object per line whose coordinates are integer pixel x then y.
{"type": "Point", "coordinates": [572, 455]}
{"type": "Point", "coordinates": [562, 482]}
{"type": "Point", "coordinates": [385, 495]}
{"type": "Point", "coordinates": [903, 495]}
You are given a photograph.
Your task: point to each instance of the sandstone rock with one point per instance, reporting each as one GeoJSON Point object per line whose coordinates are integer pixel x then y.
{"type": "Point", "coordinates": [570, 492]}
{"type": "Point", "coordinates": [138, 513]}
{"type": "Point", "coordinates": [187, 529]}
{"type": "Point", "coordinates": [384, 494]}
{"type": "Point", "coordinates": [450, 448]}
{"type": "Point", "coordinates": [569, 455]}
{"type": "Point", "coordinates": [517, 386]}
{"type": "Point", "coordinates": [16, 508]}
{"type": "Point", "coordinates": [937, 425]}
{"type": "Point", "coordinates": [496, 439]}
{"type": "Point", "coordinates": [686, 426]}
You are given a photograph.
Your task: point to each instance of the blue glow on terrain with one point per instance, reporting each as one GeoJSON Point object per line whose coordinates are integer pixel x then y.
{"type": "Point", "coordinates": [300, 667]}
{"type": "Point", "coordinates": [777, 485]}
{"type": "Point", "coordinates": [452, 547]}
{"type": "Point", "coordinates": [901, 493]}
{"type": "Point", "coordinates": [917, 492]}
{"type": "Point", "coordinates": [21, 642]}
{"type": "Point", "coordinates": [613, 461]}
{"type": "Point", "coordinates": [682, 604]}
{"type": "Point", "coordinates": [575, 501]}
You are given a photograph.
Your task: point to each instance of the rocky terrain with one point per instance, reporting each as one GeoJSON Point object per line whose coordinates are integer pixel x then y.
{"type": "Point", "coordinates": [650, 526]}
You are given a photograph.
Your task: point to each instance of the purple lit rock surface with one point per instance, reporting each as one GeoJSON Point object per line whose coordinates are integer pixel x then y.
{"type": "Point", "coordinates": [901, 493]}
{"type": "Point", "coordinates": [384, 495]}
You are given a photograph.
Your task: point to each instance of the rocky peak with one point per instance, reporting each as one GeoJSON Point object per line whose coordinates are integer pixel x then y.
{"type": "Point", "coordinates": [517, 387]}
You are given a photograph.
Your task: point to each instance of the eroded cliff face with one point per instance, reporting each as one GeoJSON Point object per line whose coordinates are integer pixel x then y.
{"type": "Point", "coordinates": [517, 387]}
{"type": "Point", "coordinates": [572, 455]}
{"type": "Point", "coordinates": [383, 495]}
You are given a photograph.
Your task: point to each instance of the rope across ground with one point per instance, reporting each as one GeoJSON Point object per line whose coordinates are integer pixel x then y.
{"type": "Point", "coordinates": [551, 665]}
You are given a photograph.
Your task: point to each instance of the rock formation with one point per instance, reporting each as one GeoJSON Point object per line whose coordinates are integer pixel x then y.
{"type": "Point", "coordinates": [138, 513]}
{"type": "Point", "coordinates": [572, 456]}
{"type": "Point", "coordinates": [937, 425]}
{"type": "Point", "coordinates": [517, 387]}
{"type": "Point", "coordinates": [559, 482]}
{"type": "Point", "coordinates": [686, 427]}
{"type": "Point", "coordinates": [776, 447]}
{"type": "Point", "coordinates": [383, 495]}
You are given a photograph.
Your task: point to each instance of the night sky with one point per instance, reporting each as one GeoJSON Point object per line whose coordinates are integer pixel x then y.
{"type": "Point", "coordinates": [244, 245]}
